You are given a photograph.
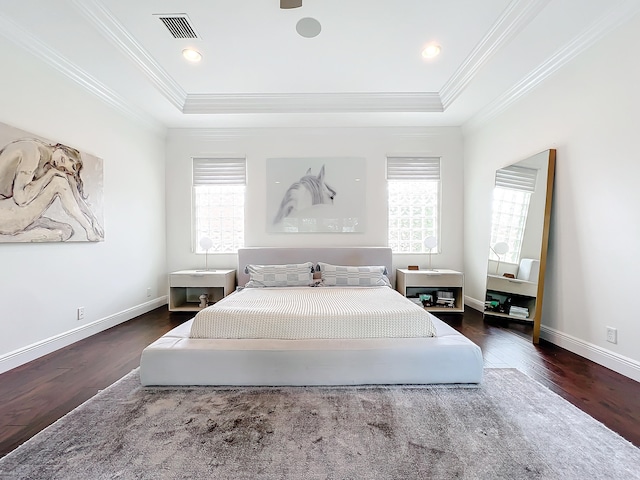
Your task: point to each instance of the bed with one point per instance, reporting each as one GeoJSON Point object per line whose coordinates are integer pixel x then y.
{"type": "Point", "coordinates": [295, 356]}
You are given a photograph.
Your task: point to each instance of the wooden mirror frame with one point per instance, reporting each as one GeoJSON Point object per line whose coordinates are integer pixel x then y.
{"type": "Point", "coordinates": [545, 245]}
{"type": "Point", "coordinates": [537, 314]}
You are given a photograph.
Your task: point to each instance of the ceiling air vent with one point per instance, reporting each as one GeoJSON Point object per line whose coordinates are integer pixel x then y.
{"type": "Point", "coordinates": [178, 25]}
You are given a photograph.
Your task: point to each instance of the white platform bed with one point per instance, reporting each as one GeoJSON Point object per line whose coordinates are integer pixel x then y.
{"type": "Point", "coordinates": [177, 359]}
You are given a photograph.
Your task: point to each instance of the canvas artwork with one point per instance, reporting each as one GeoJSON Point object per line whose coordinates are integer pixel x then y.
{"type": "Point", "coordinates": [315, 195]}
{"type": "Point", "coordinates": [49, 192]}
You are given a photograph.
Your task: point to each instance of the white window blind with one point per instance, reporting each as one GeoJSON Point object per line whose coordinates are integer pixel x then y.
{"type": "Point", "coordinates": [413, 168]}
{"type": "Point", "coordinates": [517, 178]}
{"type": "Point", "coordinates": [219, 171]}
{"type": "Point", "coordinates": [218, 203]}
{"type": "Point", "coordinates": [413, 186]}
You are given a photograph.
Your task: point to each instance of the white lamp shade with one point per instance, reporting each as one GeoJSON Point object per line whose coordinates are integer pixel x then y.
{"type": "Point", "coordinates": [206, 243]}
{"type": "Point", "coordinates": [430, 242]}
{"type": "Point", "coordinates": [501, 248]}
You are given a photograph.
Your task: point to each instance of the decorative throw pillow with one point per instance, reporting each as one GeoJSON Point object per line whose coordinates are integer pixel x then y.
{"type": "Point", "coordinates": [292, 275]}
{"type": "Point", "coordinates": [352, 276]}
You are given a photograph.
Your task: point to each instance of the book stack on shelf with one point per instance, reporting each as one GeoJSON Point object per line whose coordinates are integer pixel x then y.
{"type": "Point", "coordinates": [520, 312]}
{"type": "Point", "coordinates": [445, 299]}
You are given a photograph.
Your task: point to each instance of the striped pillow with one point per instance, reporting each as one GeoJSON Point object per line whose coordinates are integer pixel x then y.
{"type": "Point", "coordinates": [348, 276]}
{"type": "Point", "coordinates": [293, 275]}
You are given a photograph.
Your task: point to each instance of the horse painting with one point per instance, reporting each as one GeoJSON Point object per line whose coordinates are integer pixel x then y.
{"type": "Point", "coordinates": [308, 191]}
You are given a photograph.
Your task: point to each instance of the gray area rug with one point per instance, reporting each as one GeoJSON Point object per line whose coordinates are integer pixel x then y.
{"type": "Point", "coordinates": [510, 427]}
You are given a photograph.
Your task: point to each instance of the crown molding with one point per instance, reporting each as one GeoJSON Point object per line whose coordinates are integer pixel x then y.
{"type": "Point", "coordinates": [427, 132]}
{"type": "Point", "coordinates": [218, 134]}
{"type": "Point", "coordinates": [606, 24]}
{"type": "Point", "coordinates": [117, 34]}
{"type": "Point", "coordinates": [518, 14]}
{"type": "Point", "coordinates": [225, 134]}
{"type": "Point", "coordinates": [51, 57]}
{"type": "Point", "coordinates": [312, 103]}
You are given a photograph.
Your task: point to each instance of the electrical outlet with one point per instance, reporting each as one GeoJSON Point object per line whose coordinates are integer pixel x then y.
{"type": "Point", "coordinates": [612, 335]}
{"type": "Point", "coordinates": [80, 313]}
{"type": "Point", "coordinates": [148, 292]}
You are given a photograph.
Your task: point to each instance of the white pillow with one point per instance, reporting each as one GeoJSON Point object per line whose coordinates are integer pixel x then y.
{"type": "Point", "coordinates": [352, 276]}
{"type": "Point", "coordinates": [292, 275]}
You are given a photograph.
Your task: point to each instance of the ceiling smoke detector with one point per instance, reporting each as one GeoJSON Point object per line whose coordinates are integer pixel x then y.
{"type": "Point", "coordinates": [308, 27]}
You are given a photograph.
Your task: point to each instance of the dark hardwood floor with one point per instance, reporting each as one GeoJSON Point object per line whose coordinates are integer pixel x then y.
{"type": "Point", "coordinates": [36, 394]}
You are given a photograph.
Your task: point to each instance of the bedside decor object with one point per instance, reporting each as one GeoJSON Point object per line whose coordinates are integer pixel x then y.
{"type": "Point", "coordinates": [430, 243]}
{"type": "Point", "coordinates": [426, 299]}
{"type": "Point", "coordinates": [413, 267]}
{"type": "Point", "coordinates": [206, 243]}
{"type": "Point", "coordinates": [204, 300]}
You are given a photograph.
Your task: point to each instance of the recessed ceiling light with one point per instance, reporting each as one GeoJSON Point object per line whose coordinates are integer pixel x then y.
{"type": "Point", "coordinates": [431, 51]}
{"type": "Point", "coordinates": [192, 55]}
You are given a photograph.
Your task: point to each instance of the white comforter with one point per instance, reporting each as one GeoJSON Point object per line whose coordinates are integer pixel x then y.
{"type": "Point", "coordinates": [305, 312]}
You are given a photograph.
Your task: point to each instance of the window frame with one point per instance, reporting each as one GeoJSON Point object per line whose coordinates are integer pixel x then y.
{"type": "Point", "coordinates": [418, 169]}
{"type": "Point", "coordinates": [512, 178]}
{"type": "Point", "coordinates": [223, 171]}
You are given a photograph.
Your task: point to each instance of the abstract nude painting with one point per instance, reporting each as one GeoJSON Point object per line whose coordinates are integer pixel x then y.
{"type": "Point", "coordinates": [49, 191]}
{"type": "Point", "coordinates": [309, 195]}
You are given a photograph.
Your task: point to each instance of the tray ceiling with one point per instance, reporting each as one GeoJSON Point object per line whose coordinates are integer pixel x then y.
{"type": "Point", "coordinates": [365, 68]}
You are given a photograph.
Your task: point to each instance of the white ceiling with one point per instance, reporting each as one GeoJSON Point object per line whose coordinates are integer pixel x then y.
{"type": "Point", "coordinates": [364, 69]}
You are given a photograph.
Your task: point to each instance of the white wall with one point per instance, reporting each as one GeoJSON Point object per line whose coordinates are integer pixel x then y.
{"type": "Point", "coordinates": [257, 145]}
{"type": "Point", "coordinates": [590, 112]}
{"type": "Point", "coordinates": [41, 285]}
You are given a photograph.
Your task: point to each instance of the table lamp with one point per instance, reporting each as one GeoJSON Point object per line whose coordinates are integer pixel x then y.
{"type": "Point", "coordinates": [430, 243]}
{"type": "Point", "coordinates": [206, 243]}
{"type": "Point", "coordinates": [499, 248]}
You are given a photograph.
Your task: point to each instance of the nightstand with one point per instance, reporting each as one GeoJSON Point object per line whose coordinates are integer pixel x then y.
{"type": "Point", "coordinates": [514, 298]}
{"type": "Point", "coordinates": [445, 288]}
{"type": "Point", "coordinates": [186, 286]}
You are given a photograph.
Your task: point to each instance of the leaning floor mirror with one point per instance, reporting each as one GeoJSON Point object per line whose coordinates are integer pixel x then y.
{"type": "Point", "coordinates": [520, 221]}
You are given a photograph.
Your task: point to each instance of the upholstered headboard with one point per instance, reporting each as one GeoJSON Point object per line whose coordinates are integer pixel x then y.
{"type": "Point", "coordinates": [333, 255]}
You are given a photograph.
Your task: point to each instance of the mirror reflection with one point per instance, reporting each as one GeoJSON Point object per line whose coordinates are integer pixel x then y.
{"type": "Point", "coordinates": [518, 244]}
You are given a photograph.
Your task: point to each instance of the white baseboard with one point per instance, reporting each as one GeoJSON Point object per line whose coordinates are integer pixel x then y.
{"type": "Point", "coordinates": [618, 363]}
{"type": "Point", "coordinates": [26, 354]}
{"type": "Point", "coordinates": [474, 303]}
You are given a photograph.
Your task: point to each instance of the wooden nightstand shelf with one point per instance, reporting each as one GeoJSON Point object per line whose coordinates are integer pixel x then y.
{"type": "Point", "coordinates": [186, 286]}
{"type": "Point", "coordinates": [412, 283]}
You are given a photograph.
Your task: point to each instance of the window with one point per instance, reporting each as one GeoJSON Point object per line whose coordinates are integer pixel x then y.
{"type": "Point", "coordinates": [218, 203]}
{"type": "Point", "coordinates": [511, 197]}
{"type": "Point", "coordinates": [413, 185]}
